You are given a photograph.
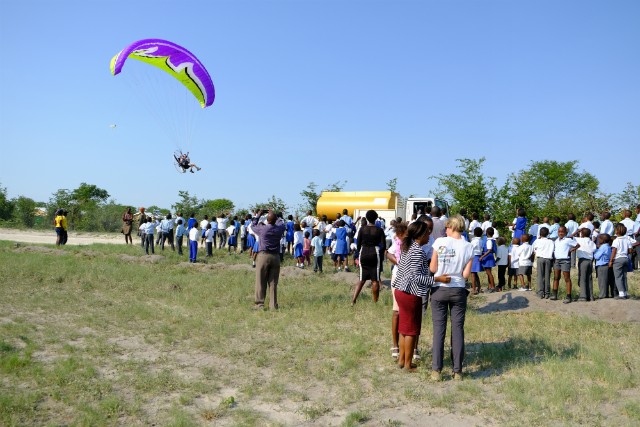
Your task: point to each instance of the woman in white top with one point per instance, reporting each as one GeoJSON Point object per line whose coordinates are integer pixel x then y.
{"type": "Point", "coordinates": [452, 256]}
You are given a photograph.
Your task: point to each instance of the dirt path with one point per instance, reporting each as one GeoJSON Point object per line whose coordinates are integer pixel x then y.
{"type": "Point", "coordinates": [43, 237]}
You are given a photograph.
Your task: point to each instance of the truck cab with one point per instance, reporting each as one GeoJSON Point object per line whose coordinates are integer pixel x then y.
{"type": "Point", "coordinates": [414, 205]}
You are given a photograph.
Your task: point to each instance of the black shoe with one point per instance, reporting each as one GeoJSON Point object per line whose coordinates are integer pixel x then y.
{"type": "Point", "coordinates": [567, 300]}
{"type": "Point", "coordinates": [554, 296]}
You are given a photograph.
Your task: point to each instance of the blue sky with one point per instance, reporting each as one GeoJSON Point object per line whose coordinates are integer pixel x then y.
{"type": "Point", "coordinates": [322, 91]}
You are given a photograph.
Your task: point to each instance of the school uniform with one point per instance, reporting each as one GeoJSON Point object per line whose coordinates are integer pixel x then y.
{"type": "Point", "coordinates": [502, 261]}
{"type": "Point", "coordinates": [606, 227]}
{"type": "Point", "coordinates": [181, 231]}
{"type": "Point", "coordinates": [525, 265]}
{"type": "Point", "coordinates": [476, 265]}
{"type": "Point", "coordinates": [571, 227]}
{"type": "Point", "coordinates": [585, 268]}
{"type": "Point", "coordinates": [606, 282]}
{"type": "Point", "coordinates": [543, 248]}
{"type": "Point", "coordinates": [318, 253]}
{"type": "Point", "coordinates": [298, 241]}
{"type": "Point", "coordinates": [553, 231]}
{"type": "Point", "coordinates": [193, 244]}
{"type": "Point", "coordinates": [208, 236]}
{"type": "Point", "coordinates": [519, 226]}
{"type": "Point", "coordinates": [233, 237]}
{"type": "Point", "coordinates": [533, 232]}
{"type": "Point", "coordinates": [621, 264]}
{"type": "Point", "coordinates": [561, 252]}
{"type": "Point", "coordinates": [489, 261]}
{"type": "Point", "coordinates": [513, 267]}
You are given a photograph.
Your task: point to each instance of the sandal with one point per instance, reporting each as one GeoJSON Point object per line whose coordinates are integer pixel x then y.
{"type": "Point", "coordinates": [395, 352]}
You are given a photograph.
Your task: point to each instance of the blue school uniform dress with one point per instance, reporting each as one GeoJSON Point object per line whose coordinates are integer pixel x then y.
{"type": "Point", "coordinates": [520, 227]}
{"type": "Point", "coordinates": [289, 233]}
{"type": "Point", "coordinates": [297, 250]}
{"type": "Point", "coordinates": [341, 241]}
{"type": "Point", "coordinates": [476, 265]}
{"type": "Point", "coordinates": [233, 240]}
{"type": "Point", "coordinates": [489, 261]}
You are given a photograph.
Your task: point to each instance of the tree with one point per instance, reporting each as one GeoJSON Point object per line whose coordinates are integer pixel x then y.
{"type": "Point", "coordinates": [186, 204]}
{"type": "Point", "coordinates": [6, 205]}
{"type": "Point", "coordinates": [392, 184]}
{"type": "Point", "coordinates": [216, 207]}
{"type": "Point", "coordinates": [274, 203]}
{"type": "Point", "coordinates": [470, 188]}
{"type": "Point", "coordinates": [628, 198]}
{"type": "Point", "coordinates": [25, 211]}
{"type": "Point", "coordinates": [551, 180]}
{"type": "Point", "coordinates": [556, 189]}
{"type": "Point", "coordinates": [311, 196]}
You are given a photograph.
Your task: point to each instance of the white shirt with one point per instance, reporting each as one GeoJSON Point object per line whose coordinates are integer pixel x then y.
{"type": "Point", "coordinates": [562, 247]}
{"type": "Point", "coordinates": [193, 234]}
{"type": "Point", "coordinates": [543, 248]}
{"type": "Point", "coordinates": [513, 253]}
{"type": "Point", "coordinates": [231, 230]}
{"type": "Point", "coordinates": [209, 235]}
{"type": "Point", "coordinates": [572, 226]}
{"type": "Point", "coordinates": [586, 224]}
{"type": "Point", "coordinates": [628, 222]}
{"type": "Point", "coordinates": [298, 237]}
{"type": "Point", "coordinates": [476, 245]}
{"type": "Point", "coordinates": [486, 225]}
{"type": "Point", "coordinates": [474, 224]}
{"type": "Point", "coordinates": [606, 227]}
{"type": "Point", "coordinates": [622, 245]}
{"type": "Point", "coordinates": [586, 249]}
{"type": "Point", "coordinates": [310, 220]}
{"type": "Point", "coordinates": [453, 256]}
{"type": "Point", "coordinates": [222, 223]}
{"type": "Point", "coordinates": [203, 224]}
{"type": "Point", "coordinates": [524, 255]}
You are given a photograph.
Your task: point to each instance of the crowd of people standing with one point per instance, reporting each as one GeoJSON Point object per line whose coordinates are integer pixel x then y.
{"type": "Point", "coordinates": [433, 257]}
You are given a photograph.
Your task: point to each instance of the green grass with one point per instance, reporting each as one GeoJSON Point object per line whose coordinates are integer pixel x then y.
{"type": "Point", "coordinates": [89, 337]}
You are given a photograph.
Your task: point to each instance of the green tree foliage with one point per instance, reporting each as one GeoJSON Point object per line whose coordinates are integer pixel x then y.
{"type": "Point", "coordinates": [25, 211]}
{"type": "Point", "coordinates": [553, 188]}
{"type": "Point", "coordinates": [392, 185]}
{"type": "Point", "coordinates": [551, 180]}
{"type": "Point", "coordinates": [82, 204]}
{"type": "Point", "coordinates": [311, 195]}
{"type": "Point", "coordinates": [274, 203]}
{"type": "Point", "coordinates": [470, 188]}
{"type": "Point", "coordinates": [628, 198]}
{"type": "Point", "coordinates": [6, 205]}
{"type": "Point", "coordinates": [216, 207]}
{"type": "Point", "coordinates": [186, 203]}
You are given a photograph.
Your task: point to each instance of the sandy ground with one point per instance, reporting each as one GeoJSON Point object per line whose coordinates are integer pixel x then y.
{"type": "Point", "coordinates": [37, 236]}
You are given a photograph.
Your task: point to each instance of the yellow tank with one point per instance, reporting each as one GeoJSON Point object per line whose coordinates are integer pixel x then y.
{"type": "Point", "coordinates": [332, 202]}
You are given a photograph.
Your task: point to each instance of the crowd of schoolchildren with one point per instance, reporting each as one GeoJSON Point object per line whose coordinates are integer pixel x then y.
{"type": "Point", "coordinates": [611, 251]}
{"type": "Point", "coordinates": [304, 238]}
{"type": "Point", "coordinates": [590, 246]}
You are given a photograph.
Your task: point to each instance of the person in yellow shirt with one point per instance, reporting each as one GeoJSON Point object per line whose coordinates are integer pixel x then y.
{"type": "Point", "coordinates": [59, 222]}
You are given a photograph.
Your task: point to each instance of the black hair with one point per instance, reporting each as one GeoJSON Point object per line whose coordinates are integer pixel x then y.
{"type": "Point", "coordinates": [416, 230]}
{"type": "Point", "coordinates": [477, 232]}
{"type": "Point", "coordinates": [371, 216]}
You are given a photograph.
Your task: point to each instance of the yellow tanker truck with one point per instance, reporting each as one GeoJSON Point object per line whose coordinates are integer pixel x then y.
{"type": "Point", "coordinates": [388, 204]}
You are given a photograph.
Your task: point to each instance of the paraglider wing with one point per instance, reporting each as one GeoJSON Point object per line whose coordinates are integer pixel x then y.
{"type": "Point", "coordinates": [173, 59]}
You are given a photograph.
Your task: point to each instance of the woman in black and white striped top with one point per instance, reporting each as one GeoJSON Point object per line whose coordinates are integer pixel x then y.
{"type": "Point", "coordinates": [412, 283]}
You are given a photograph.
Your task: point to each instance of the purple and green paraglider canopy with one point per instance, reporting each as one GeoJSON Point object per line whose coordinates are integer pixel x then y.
{"type": "Point", "coordinates": [173, 59]}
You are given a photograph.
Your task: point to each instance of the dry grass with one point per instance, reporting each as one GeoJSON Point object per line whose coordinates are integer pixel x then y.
{"type": "Point", "coordinates": [99, 335]}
